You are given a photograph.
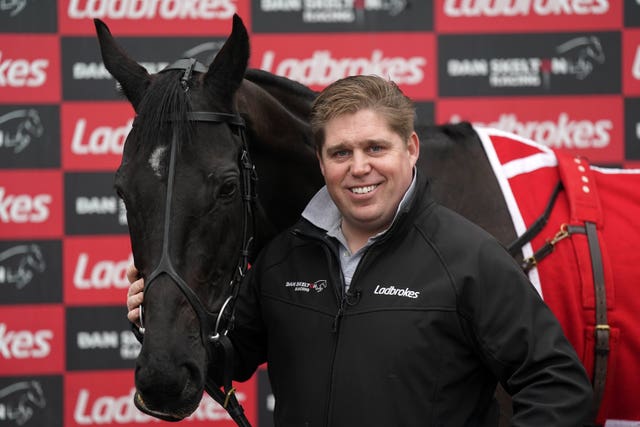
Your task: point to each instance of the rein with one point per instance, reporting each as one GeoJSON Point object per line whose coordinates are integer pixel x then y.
{"type": "Point", "coordinates": [213, 326]}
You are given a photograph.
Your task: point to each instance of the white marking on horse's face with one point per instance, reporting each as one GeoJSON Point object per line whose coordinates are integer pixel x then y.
{"type": "Point", "coordinates": [155, 160]}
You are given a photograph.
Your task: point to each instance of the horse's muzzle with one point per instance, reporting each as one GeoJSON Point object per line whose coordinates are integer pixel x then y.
{"type": "Point", "coordinates": [139, 402]}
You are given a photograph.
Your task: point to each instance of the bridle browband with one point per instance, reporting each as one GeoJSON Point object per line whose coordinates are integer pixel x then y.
{"type": "Point", "coordinates": [213, 326]}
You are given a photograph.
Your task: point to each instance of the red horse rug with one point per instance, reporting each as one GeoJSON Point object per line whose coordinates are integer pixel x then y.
{"type": "Point", "coordinates": [585, 262]}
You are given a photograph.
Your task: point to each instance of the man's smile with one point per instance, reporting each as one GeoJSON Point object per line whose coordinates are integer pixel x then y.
{"type": "Point", "coordinates": [363, 190]}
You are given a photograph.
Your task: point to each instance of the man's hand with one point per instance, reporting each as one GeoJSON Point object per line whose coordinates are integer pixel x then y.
{"type": "Point", "coordinates": [134, 295]}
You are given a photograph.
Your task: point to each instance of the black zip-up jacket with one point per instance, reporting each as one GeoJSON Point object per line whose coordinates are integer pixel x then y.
{"type": "Point", "coordinates": [436, 314]}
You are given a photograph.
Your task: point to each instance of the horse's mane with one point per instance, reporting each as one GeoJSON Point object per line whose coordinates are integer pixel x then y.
{"type": "Point", "coordinates": [445, 134]}
{"type": "Point", "coordinates": [264, 78]}
{"type": "Point", "coordinates": [163, 110]}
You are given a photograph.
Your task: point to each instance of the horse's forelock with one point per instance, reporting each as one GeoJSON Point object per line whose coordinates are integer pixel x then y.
{"type": "Point", "coordinates": [163, 111]}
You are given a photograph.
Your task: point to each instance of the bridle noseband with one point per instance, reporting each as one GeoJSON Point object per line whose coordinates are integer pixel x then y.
{"type": "Point", "coordinates": [213, 326]}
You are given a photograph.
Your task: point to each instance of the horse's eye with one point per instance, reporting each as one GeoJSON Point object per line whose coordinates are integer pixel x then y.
{"type": "Point", "coordinates": [228, 189]}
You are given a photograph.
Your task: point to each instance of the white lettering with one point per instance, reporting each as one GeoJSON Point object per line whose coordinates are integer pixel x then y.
{"type": "Point", "coordinates": [92, 340]}
{"type": "Point", "coordinates": [280, 5]}
{"type": "Point", "coordinates": [561, 133]}
{"type": "Point", "coordinates": [22, 73]}
{"type": "Point", "coordinates": [322, 69]}
{"type": "Point", "coordinates": [89, 71]}
{"type": "Point", "coordinates": [103, 275]}
{"type": "Point", "coordinates": [24, 344]}
{"type": "Point", "coordinates": [121, 409]}
{"type": "Point", "coordinates": [129, 346]}
{"type": "Point", "coordinates": [96, 205]}
{"type": "Point", "coordinates": [393, 291]}
{"type": "Point", "coordinates": [23, 208]}
{"type": "Point", "coordinates": [151, 9]}
{"type": "Point", "coordinates": [509, 8]}
{"type": "Point", "coordinates": [467, 67]}
{"type": "Point", "coordinates": [635, 68]}
{"type": "Point", "coordinates": [103, 139]}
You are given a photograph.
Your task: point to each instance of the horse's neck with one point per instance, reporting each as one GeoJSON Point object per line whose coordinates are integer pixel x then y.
{"type": "Point", "coordinates": [462, 178]}
{"type": "Point", "coordinates": [280, 143]}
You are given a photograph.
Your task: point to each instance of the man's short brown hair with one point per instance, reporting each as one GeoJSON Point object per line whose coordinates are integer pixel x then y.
{"type": "Point", "coordinates": [352, 94]}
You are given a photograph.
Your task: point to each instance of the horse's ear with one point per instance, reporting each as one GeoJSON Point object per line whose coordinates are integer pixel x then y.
{"type": "Point", "coordinates": [133, 77]}
{"type": "Point", "coordinates": [228, 67]}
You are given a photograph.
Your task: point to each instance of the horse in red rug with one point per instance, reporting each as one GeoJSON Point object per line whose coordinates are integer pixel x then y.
{"type": "Point", "coordinates": [584, 261]}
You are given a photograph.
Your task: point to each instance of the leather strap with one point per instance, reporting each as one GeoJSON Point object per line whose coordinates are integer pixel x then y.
{"type": "Point", "coordinates": [584, 203]}
{"type": "Point", "coordinates": [602, 330]}
{"type": "Point", "coordinates": [515, 246]}
{"type": "Point", "coordinates": [226, 396]}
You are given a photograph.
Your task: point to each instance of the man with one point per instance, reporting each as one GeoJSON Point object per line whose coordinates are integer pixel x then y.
{"type": "Point", "coordinates": [382, 308]}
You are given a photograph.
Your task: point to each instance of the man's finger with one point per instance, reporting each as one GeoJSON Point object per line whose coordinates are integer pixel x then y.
{"type": "Point", "coordinates": [132, 273]}
{"type": "Point", "coordinates": [134, 316]}
{"type": "Point", "coordinates": [136, 287]}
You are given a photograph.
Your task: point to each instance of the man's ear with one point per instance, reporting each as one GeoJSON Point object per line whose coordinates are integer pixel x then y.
{"type": "Point", "coordinates": [413, 146]}
{"type": "Point", "coordinates": [319, 157]}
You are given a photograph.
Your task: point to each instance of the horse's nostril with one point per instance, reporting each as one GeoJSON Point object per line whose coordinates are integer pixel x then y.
{"type": "Point", "coordinates": [169, 394]}
{"type": "Point", "coordinates": [193, 379]}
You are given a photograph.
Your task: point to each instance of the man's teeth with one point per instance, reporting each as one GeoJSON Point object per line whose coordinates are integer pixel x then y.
{"type": "Point", "coordinates": [363, 190]}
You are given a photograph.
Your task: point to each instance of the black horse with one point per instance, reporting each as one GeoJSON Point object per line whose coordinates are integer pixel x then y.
{"type": "Point", "coordinates": [189, 189]}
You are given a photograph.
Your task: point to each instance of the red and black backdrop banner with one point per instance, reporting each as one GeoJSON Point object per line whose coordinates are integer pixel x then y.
{"type": "Point", "coordinates": [565, 73]}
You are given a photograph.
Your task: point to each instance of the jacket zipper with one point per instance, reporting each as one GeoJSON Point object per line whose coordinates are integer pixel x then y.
{"type": "Point", "coordinates": [339, 288]}
{"type": "Point", "coordinates": [333, 261]}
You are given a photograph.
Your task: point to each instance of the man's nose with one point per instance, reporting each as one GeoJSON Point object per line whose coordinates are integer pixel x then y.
{"type": "Point", "coordinates": [360, 163]}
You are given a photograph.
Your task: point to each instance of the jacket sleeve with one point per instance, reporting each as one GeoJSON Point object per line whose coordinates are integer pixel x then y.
{"type": "Point", "coordinates": [523, 343]}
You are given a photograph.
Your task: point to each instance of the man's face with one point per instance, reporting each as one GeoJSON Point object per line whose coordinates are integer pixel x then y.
{"type": "Point", "coordinates": [367, 168]}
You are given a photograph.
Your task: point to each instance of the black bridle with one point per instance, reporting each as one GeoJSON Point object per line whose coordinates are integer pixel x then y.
{"type": "Point", "coordinates": [213, 326]}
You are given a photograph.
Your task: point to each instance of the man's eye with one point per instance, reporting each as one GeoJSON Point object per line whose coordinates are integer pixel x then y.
{"type": "Point", "coordinates": [340, 153]}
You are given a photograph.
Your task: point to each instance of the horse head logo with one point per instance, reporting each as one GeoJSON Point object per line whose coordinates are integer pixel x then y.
{"type": "Point", "coordinates": [396, 6]}
{"type": "Point", "coordinates": [20, 263]}
{"type": "Point", "coordinates": [19, 401]}
{"type": "Point", "coordinates": [15, 6]}
{"type": "Point", "coordinates": [22, 126]}
{"type": "Point", "coordinates": [319, 285]}
{"type": "Point", "coordinates": [585, 52]}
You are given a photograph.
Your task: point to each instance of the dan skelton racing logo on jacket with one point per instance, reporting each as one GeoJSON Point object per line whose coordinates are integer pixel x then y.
{"type": "Point", "coordinates": [318, 286]}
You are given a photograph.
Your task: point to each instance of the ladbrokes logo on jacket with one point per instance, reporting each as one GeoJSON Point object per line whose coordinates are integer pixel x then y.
{"type": "Point", "coordinates": [398, 292]}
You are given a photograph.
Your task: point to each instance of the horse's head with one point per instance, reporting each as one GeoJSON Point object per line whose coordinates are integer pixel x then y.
{"type": "Point", "coordinates": [187, 196]}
